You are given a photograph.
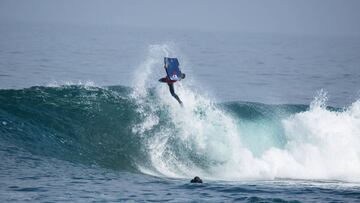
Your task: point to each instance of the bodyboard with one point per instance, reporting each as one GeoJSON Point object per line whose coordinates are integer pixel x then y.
{"type": "Point", "coordinates": [172, 68]}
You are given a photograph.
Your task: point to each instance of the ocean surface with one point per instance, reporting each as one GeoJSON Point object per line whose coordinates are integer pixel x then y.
{"type": "Point", "coordinates": [266, 117]}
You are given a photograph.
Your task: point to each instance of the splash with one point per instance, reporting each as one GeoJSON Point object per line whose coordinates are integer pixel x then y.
{"type": "Point", "coordinates": [203, 139]}
{"type": "Point", "coordinates": [195, 135]}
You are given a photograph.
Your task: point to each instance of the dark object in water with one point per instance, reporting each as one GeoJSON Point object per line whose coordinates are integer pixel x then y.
{"type": "Point", "coordinates": [196, 180]}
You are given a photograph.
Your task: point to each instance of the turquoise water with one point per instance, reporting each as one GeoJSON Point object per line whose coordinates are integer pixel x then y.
{"type": "Point", "coordinates": [266, 118]}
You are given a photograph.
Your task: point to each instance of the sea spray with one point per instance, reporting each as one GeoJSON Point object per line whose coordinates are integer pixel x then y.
{"type": "Point", "coordinates": [193, 137]}
{"type": "Point", "coordinates": [203, 139]}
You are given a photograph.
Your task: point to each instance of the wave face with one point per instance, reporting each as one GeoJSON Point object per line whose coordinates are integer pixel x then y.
{"type": "Point", "coordinates": [144, 129]}
{"type": "Point", "coordinates": [76, 123]}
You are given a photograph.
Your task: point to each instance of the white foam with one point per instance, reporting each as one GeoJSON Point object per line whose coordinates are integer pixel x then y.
{"type": "Point", "coordinates": [320, 144]}
{"type": "Point", "coordinates": [61, 83]}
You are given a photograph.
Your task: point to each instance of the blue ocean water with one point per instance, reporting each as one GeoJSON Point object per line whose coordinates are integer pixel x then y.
{"type": "Point", "coordinates": [266, 118]}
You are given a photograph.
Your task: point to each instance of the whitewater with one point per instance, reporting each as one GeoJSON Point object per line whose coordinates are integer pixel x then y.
{"type": "Point", "coordinates": [315, 144]}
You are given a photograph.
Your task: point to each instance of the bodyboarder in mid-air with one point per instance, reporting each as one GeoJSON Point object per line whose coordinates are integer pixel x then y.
{"type": "Point", "coordinates": [171, 78]}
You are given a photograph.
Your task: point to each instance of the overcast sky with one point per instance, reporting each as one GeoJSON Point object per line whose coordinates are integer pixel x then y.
{"type": "Point", "coordinates": [334, 17]}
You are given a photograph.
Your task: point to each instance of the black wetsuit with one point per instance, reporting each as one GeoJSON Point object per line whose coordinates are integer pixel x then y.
{"type": "Point", "coordinates": [171, 87]}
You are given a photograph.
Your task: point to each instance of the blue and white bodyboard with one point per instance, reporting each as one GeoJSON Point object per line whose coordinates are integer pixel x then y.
{"type": "Point", "coordinates": [172, 68]}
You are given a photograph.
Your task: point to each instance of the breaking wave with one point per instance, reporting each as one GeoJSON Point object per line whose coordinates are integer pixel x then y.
{"type": "Point", "coordinates": [143, 129]}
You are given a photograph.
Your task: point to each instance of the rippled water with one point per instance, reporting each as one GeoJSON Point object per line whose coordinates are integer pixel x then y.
{"type": "Point", "coordinates": [25, 177]}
